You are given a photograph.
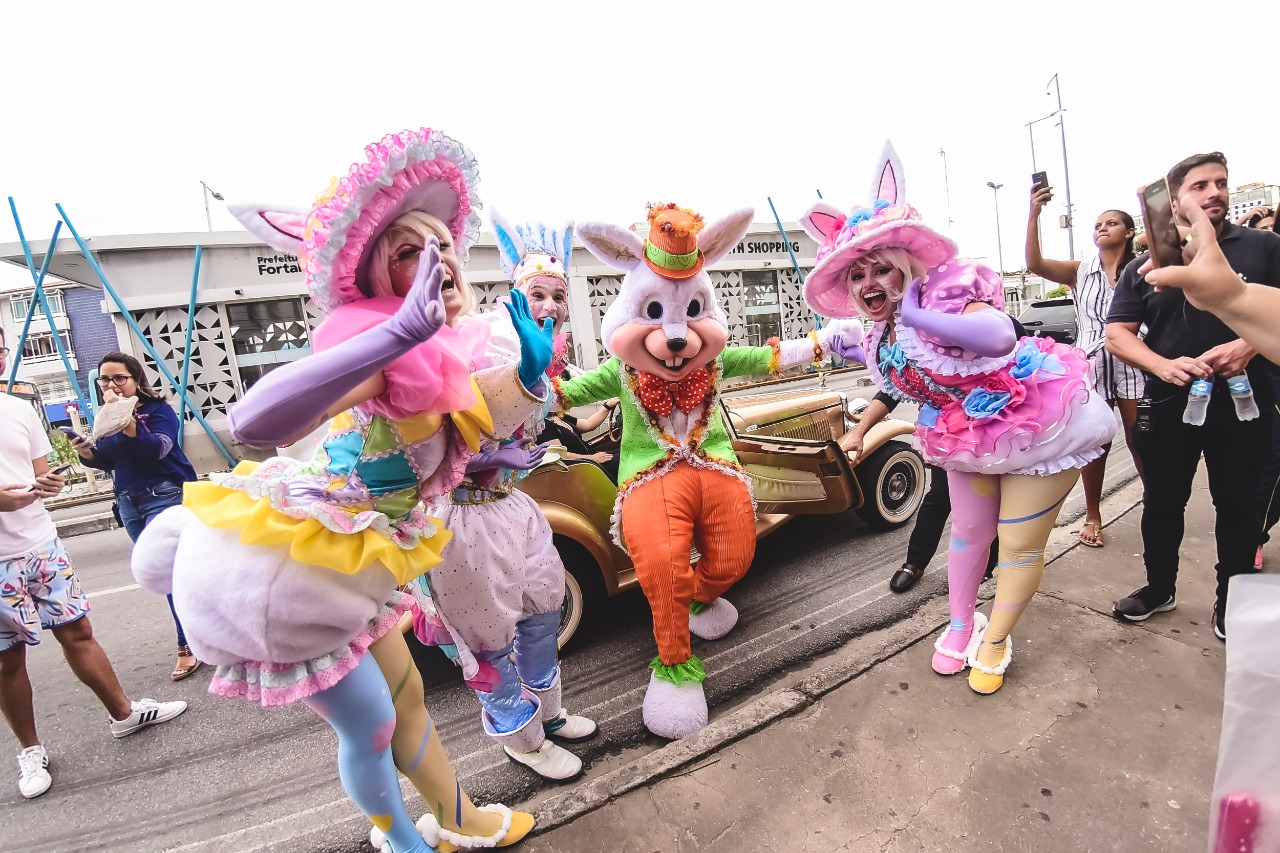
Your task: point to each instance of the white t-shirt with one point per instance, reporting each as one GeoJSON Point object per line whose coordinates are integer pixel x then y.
{"type": "Point", "coordinates": [22, 439]}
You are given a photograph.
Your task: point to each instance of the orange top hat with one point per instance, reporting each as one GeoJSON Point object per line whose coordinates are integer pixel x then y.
{"type": "Point", "coordinates": [671, 249]}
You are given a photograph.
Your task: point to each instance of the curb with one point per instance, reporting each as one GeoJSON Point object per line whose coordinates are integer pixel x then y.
{"type": "Point", "coordinates": [565, 807]}
{"type": "Point", "coordinates": [86, 524]}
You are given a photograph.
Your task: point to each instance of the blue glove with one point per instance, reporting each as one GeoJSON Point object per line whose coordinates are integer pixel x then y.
{"type": "Point", "coordinates": [535, 343]}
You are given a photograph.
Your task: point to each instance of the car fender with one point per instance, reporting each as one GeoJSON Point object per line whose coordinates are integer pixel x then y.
{"type": "Point", "coordinates": [887, 430]}
{"type": "Point", "coordinates": [573, 524]}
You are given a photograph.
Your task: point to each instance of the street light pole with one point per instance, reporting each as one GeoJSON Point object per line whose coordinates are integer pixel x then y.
{"type": "Point", "coordinates": [1066, 170]}
{"type": "Point", "coordinates": [208, 217]}
{"type": "Point", "coordinates": [946, 182]}
{"type": "Point", "coordinates": [995, 198]}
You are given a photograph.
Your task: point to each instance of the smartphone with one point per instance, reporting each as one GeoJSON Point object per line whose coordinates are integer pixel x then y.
{"type": "Point", "coordinates": [61, 469]}
{"type": "Point", "coordinates": [70, 433]}
{"type": "Point", "coordinates": [1163, 238]}
{"type": "Point", "coordinates": [1039, 181]}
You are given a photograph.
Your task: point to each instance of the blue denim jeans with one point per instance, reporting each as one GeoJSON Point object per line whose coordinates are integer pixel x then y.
{"type": "Point", "coordinates": [138, 508]}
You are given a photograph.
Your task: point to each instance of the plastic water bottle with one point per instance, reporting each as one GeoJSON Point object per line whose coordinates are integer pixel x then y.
{"type": "Point", "coordinates": [1198, 402]}
{"type": "Point", "coordinates": [1242, 396]}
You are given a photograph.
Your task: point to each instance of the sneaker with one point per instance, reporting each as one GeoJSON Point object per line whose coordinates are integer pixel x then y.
{"type": "Point", "coordinates": [1219, 621]}
{"type": "Point", "coordinates": [34, 764]}
{"type": "Point", "coordinates": [1257, 559]}
{"type": "Point", "coordinates": [146, 712]}
{"type": "Point", "coordinates": [549, 761]}
{"type": "Point", "coordinates": [1142, 603]}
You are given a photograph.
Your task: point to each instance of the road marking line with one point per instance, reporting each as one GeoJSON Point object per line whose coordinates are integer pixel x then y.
{"type": "Point", "coordinates": [112, 591]}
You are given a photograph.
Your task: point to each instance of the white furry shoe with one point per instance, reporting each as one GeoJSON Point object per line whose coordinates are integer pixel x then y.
{"type": "Point", "coordinates": [715, 621]}
{"type": "Point", "coordinates": [674, 711]}
{"type": "Point", "coordinates": [549, 761]}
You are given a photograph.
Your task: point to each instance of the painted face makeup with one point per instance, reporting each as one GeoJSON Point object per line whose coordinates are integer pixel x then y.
{"type": "Point", "coordinates": [403, 267]}
{"type": "Point", "coordinates": [547, 298]}
{"type": "Point", "coordinates": [875, 287]}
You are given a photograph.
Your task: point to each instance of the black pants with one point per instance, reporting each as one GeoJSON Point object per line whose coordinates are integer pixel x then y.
{"type": "Point", "coordinates": [935, 509]}
{"type": "Point", "coordinates": [1170, 453]}
{"type": "Point", "coordinates": [1269, 485]}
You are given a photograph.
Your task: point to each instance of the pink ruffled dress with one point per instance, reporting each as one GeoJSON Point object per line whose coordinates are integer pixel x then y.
{"type": "Point", "coordinates": [1031, 412]}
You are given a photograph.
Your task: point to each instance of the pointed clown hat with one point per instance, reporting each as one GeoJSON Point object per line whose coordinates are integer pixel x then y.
{"type": "Point", "coordinates": [530, 249]}
{"type": "Point", "coordinates": [889, 222]}
{"type": "Point", "coordinates": [422, 170]}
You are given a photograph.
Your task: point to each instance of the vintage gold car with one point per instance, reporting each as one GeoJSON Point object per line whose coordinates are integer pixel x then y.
{"type": "Point", "coordinates": [794, 444]}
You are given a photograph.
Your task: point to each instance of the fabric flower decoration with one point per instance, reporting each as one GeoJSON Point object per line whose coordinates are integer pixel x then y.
{"type": "Point", "coordinates": [982, 403]}
{"type": "Point", "coordinates": [928, 416]}
{"type": "Point", "coordinates": [1035, 354]}
{"type": "Point", "coordinates": [891, 356]}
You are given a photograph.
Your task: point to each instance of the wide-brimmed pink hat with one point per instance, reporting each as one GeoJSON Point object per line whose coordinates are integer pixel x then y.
{"type": "Point", "coordinates": [886, 223]}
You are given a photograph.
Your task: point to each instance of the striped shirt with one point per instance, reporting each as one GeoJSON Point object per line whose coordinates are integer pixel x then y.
{"type": "Point", "coordinates": [1113, 379]}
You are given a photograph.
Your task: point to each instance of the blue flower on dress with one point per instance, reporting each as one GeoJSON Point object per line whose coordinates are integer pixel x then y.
{"type": "Point", "coordinates": [892, 356]}
{"type": "Point", "coordinates": [1030, 358]}
{"type": "Point", "coordinates": [982, 403]}
{"type": "Point", "coordinates": [928, 416]}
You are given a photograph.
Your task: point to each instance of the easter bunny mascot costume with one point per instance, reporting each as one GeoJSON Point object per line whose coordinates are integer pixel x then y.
{"type": "Point", "coordinates": [680, 484]}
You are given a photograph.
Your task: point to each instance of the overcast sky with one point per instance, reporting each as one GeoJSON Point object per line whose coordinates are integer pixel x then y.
{"type": "Point", "coordinates": [583, 110]}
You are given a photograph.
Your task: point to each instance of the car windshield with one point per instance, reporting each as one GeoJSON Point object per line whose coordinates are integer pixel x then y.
{"type": "Point", "coordinates": [1049, 312]}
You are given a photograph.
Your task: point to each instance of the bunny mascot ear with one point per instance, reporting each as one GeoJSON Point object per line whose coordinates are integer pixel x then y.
{"type": "Point", "coordinates": [612, 244]}
{"type": "Point", "coordinates": [279, 227]}
{"type": "Point", "coordinates": [510, 244]}
{"type": "Point", "coordinates": [719, 238]}
{"type": "Point", "coordinates": [821, 220]}
{"type": "Point", "coordinates": [889, 183]}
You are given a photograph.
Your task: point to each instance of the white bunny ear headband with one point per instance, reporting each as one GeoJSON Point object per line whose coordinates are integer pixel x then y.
{"type": "Point", "coordinates": [843, 238]}
{"type": "Point", "coordinates": [532, 248]}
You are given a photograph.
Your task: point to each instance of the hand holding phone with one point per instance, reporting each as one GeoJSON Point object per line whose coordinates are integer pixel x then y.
{"type": "Point", "coordinates": [1164, 241]}
{"type": "Point", "coordinates": [59, 471]}
{"type": "Point", "coordinates": [1039, 181]}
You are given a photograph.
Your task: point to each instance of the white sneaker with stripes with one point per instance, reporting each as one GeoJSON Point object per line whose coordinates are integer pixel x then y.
{"type": "Point", "coordinates": [146, 712]}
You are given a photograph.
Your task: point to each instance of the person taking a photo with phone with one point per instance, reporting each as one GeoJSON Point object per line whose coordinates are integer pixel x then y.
{"type": "Point", "coordinates": [1184, 344]}
{"type": "Point", "coordinates": [1092, 285]}
{"type": "Point", "coordinates": [146, 461]}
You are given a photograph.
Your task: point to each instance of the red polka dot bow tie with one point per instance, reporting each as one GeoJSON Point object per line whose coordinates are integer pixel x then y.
{"type": "Point", "coordinates": [661, 396]}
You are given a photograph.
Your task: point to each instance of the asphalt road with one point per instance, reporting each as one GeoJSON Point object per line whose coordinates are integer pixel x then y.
{"type": "Point", "coordinates": [231, 776]}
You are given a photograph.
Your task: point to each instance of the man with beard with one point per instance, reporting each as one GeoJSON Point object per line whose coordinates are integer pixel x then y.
{"type": "Point", "coordinates": [1184, 344]}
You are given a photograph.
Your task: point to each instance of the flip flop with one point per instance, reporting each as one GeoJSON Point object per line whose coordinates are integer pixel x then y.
{"type": "Point", "coordinates": [1097, 543]}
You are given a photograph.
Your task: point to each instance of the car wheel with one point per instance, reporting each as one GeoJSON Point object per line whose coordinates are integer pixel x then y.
{"type": "Point", "coordinates": [893, 485]}
{"type": "Point", "coordinates": [583, 589]}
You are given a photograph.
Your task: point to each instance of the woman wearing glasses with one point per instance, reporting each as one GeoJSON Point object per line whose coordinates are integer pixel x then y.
{"type": "Point", "coordinates": [146, 460]}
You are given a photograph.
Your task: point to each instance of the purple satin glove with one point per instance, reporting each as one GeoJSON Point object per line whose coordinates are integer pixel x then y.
{"type": "Point", "coordinates": [511, 456]}
{"type": "Point", "coordinates": [985, 333]}
{"type": "Point", "coordinates": [294, 399]}
{"type": "Point", "coordinates": [847, 351]}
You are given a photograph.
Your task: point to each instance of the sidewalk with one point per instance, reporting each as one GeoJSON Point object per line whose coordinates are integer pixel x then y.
{"type": "Point", "coordinates": [1104, 736]}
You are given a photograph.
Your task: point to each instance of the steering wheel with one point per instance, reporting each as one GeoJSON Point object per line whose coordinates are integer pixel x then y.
{"type": "Point", "coordinates": [615, 424]}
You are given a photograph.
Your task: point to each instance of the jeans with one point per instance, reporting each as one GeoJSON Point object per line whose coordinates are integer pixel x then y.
{"type": "Point", "coordinates": [935, 509]}
{"type": "Point", "coordinates": [1170, 454]}
{"type": "Point", "coordinates": [138, 508]}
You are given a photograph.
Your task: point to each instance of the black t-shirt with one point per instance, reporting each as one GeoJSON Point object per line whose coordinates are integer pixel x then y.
{"type": "Point", "coordinates": [564, 428]}
{"type": "Point", "coordinates": [1174, 327]}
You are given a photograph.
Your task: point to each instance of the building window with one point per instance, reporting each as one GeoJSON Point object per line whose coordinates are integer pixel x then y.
{"type": "Point", "coordinates": [42, 345]}
{"type": "Point", "coordinates": [20, 305]}
{"type": "Point", "coordinates": [267, 334]}
{"type": "Point", "coordinates": [762, 306]}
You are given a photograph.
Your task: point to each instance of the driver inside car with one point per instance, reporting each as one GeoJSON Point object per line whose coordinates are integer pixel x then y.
{"type": "Point", "coordinates": [567, 431]}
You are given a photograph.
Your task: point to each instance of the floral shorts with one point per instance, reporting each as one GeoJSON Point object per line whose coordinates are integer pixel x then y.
{"type": "Point", "coordinates": [38, 590]}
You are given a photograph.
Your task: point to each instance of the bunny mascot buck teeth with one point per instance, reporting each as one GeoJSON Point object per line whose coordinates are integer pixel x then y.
{"type": "Point", "coordinates": [680, 484]}
{"type": "Point", "coordinates": [286, 572]}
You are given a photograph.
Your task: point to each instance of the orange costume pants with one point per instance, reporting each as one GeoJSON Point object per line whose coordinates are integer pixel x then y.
{"type": "Point", "coordinates": [662, 520]}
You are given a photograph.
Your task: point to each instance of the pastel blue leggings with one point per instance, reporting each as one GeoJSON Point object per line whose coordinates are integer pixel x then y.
{"type": "Point", "coordinates": [359, 709]}
{"type": "Point", "coordinates": [536, 664]}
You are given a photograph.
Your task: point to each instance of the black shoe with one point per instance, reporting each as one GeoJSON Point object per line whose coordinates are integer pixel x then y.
{"type": "Point", "coordinates": [1220, 621]}
{"type": "Point", "coordinates": [905, 578]}
{"type": "Point", "coordinates": [1142, 603]}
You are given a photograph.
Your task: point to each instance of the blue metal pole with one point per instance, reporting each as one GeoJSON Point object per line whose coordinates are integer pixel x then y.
{"type": "Point", "coordinates": [31, 307]}
{"type": "Point", "coordinates": [38, 279]}
{"type": "Point", "coordinates": [787, 242]}
{"type": "Point", "coordinates": [186, 351]}
{"type": "Point", "coordinates": [133, 325]}
{"type": "Point", "coordinates": [819, 192]}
